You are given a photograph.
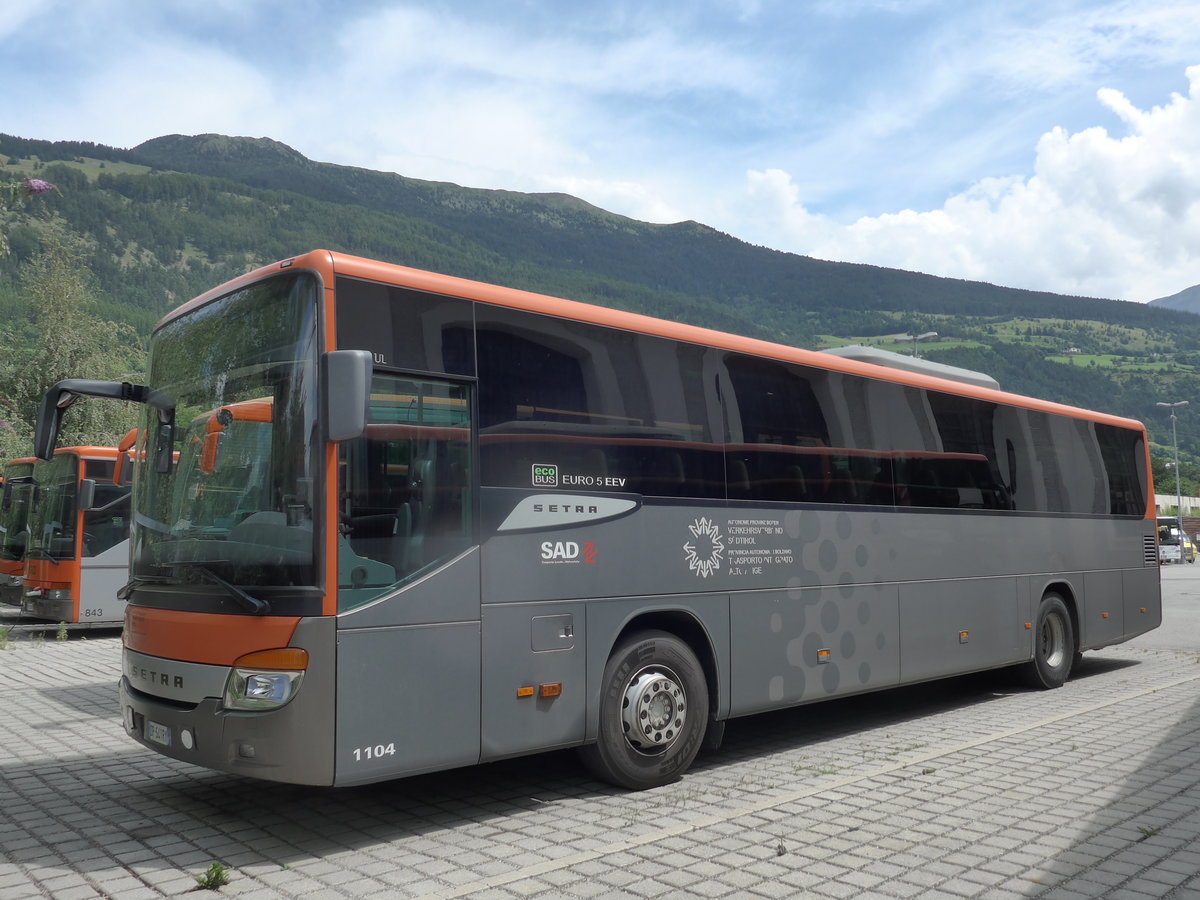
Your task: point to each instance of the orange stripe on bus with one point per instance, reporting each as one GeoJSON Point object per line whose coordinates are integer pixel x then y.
{"type": "Point", "coordinates": [212, 638]}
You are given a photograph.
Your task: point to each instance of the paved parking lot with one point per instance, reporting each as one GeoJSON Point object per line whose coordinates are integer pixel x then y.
{"type": "Point", "coordinates": [966, 788]}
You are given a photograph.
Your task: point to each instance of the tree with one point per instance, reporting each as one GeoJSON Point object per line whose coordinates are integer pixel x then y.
{"type": "Point", "coordinates": [16, 193]}
{"type": "Point", "coordinates": [64, 339]}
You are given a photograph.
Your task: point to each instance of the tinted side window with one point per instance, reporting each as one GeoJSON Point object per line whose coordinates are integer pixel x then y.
{"type": "Point", "coordinates": [568, 405]}
{"type": "Point", "coordinates": [405, 328]}
{"type": "Point", "coordinates": [963, 470]}
{"type": "Point", "coordinates": [1124, 456]}
{"type": "Point", "coordinates": [801, 434]}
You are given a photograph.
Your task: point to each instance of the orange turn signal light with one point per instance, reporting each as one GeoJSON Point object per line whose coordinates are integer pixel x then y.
{"type": "Point", "coordinates": [288, 658]}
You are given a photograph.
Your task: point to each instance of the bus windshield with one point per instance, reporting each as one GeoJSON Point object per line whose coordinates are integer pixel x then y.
{"type": "Point", "coordinates": [14, 510]}
{"type": "Point", "coordinates": [236, 506]}
{"type": "Point", "coordinates": [52, 520]}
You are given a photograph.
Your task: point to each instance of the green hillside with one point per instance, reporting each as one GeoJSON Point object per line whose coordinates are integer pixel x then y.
{"type": "Point", "coordinates": [165, 220]}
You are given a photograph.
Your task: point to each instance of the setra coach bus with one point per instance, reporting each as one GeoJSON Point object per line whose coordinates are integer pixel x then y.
{"type": "Point", "coordinates": [387, 521]}
{"type": "Point", "coordinates": [77, 558]}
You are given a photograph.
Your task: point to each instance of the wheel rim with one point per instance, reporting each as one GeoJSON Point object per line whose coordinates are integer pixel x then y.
{"type": "Point", "coordinates": [1054, 641]}
{"type": "Point", "coordinates": [653, 710]}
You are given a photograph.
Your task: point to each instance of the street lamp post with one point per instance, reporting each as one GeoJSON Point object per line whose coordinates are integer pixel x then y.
{"type": "Point", "coordinates": [915, 338]}
{"type": "Point", "coordinates": [1178, 493]}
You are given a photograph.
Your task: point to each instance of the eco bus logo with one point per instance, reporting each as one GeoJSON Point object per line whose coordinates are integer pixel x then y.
{"type": "Point", "coordinates": [704, 554]}
{"type": "Point", "coordinates": [545, 475]}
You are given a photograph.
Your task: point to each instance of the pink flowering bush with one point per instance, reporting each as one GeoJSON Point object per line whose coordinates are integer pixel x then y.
{"type": "Point", "coordinates": [37, 186]}
{"type": "Point", "coordinates": [13, 193]}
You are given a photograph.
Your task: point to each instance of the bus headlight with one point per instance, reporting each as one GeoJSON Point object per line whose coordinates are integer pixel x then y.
{"type": "Point", "coordinates": [55, 594]}
{"type": "Point", "coordinates": [264, 680]}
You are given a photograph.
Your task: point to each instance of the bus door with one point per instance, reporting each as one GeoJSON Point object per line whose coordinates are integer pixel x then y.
{"type": "Point", "coordinates": [408, 584]}
{"type": "Point", "coordinates": [103, 544]}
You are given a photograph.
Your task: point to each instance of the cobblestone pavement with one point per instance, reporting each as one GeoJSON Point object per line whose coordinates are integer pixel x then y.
{"type": "Point", "coordinates": [965, 788]}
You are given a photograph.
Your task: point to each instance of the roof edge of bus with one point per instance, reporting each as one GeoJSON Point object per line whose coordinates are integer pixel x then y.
{"type": "Point", "coordinates": [316, 260]}
{"type": "Point", "coordinates": [329, 262]}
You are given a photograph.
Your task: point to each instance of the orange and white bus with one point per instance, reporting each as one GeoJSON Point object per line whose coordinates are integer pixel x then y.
{"type": "Point", "coordinates": [465, 523]}
{"type": "Point", "coordinates": [14, 517]}
{"type": "Point", "coordinates": [78, 554]}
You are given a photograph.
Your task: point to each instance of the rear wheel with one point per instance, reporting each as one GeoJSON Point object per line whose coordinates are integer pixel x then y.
{"type": "Point", "coordinates": [653, 712]}
{"type": "Point", "coordinates": [1053, 645]}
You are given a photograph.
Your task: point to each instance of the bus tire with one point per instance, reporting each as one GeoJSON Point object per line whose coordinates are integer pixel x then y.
{"type": "Point", "coordinates": [1053, 645]}
{"type": "Point", "coordinates": [653, 712]}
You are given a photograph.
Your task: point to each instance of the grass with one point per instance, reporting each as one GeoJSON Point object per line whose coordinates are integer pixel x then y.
{"type": "Point", "coordinates": [91, 168]}
{"type": "Point", "coordinates": [216, 877]}
{"type": "Point", "coordinates": [1112, 361]}
{"type": "Point", "coordinates": [1113, 347]}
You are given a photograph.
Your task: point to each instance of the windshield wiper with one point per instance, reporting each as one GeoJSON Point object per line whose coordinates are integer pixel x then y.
{"type": "Point", "coordinates": [251, 604]}
{"type": "Point", "coordinates": [39, 553]}
{"type": "Point", "coordinates": [137, 581]}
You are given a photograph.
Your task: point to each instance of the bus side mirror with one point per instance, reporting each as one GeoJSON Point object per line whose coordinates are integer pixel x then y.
{"type": "Point", "coordinates": [346, 393]}
{"type": "Point", "coordinates": [65, 392]}
{"type": "Point", "coordinates": [164, 453]}
{"type": "Point", "coordinates": [54, 403]}
{"type": "Point", "coordinates": [87, 493]}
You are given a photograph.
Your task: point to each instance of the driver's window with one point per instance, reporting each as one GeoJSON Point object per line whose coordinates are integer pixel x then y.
{"type": "Point", "coordinates": [106, 523]}
{"type": "Point", "coordinates": [405, 501]}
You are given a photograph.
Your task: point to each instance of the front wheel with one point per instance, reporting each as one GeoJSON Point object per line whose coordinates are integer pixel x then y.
{"type": "Point", "coordinates": [1053, 645]}
{"type": "Point", "coordinates": [653, 712]}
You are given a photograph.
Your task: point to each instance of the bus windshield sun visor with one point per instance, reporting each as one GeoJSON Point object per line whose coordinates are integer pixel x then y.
{"type": "Point", "coordinates": [63, 394]}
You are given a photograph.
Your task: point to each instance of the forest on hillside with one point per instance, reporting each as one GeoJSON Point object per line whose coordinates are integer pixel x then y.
{"type": "Point", "coordinates": [149, 227]}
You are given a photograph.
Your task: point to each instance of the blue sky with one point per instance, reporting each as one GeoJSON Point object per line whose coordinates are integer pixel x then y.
{"type": "Point", "coordinates": [1044, 144]}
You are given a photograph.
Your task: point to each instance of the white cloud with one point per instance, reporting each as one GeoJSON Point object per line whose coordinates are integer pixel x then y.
{"type": "Point", "coordinates": [640, 200]}
{"type": "Point", "coordinates": [643, 58]}
{"type": "Point", "coordinates": [17, 13]}
{"type": "Point", "coordinates": [780, 123]}
{"type": "Point", "coordinates": [153, 91]}
{"type": "Point", "coordinates": [494, 103]}
{"type": "Point", "coordinates": [1101, 216]}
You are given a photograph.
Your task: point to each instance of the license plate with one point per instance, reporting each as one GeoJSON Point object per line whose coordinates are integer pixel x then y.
{"type": "Point", "coordinates": [158, 734]}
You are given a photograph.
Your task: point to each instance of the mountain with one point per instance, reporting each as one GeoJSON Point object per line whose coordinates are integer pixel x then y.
{"type": "Point", "coordinates": [560, 231]}
{"type": "Point", "coordinates": [1187, 300]}
{"type": "Point", "coordinates": [167, 219]}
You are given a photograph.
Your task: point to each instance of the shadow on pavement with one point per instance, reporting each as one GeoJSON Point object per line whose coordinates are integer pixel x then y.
{"type": "Point", "coordinates": [1127, 847]}
{"type": "Point", "coordinates": [97, 699]}
{"type": "Point", "coordinates": [154, 800]}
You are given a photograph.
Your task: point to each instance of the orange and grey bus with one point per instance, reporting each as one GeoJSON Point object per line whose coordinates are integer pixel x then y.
{"type": "Point", "coordinates": [78, 546]}
{"type": "Point", "coordinates": [467, 523]}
